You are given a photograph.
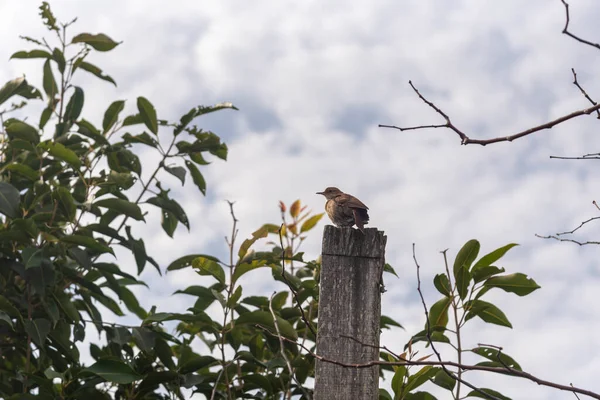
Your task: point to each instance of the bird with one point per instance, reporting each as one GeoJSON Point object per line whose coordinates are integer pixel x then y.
{"type": "Point", "coordinates": [345, 210]}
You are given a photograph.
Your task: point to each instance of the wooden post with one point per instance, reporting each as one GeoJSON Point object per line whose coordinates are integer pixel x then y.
{"type": "Point", "coordinates": [349, 304]}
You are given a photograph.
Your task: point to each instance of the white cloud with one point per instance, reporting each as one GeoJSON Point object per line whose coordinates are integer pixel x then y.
{"type": "Point", "coordinates": [494, 67]}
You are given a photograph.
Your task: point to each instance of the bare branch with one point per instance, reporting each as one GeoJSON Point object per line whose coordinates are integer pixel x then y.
{"type": "Point", "coordinates": [583, 92]}
{"type": "Point", "coordinates": [464, 139]}
{"type": "Point", "coordinates": [464, 367]}
{"type": "Point", "coordinates": [566, 28]}
{"type": "Point", "coordinates": [566, 240]}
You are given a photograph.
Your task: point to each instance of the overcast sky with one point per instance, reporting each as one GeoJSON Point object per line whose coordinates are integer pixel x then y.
{"type": "Point", "coordinates": [313, 80]}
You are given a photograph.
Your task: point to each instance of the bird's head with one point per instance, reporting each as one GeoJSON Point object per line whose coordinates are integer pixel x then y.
{"type": "Point", "coordinates": [330, 192]}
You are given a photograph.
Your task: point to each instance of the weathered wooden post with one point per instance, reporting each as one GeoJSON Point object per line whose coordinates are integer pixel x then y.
{"type": "Point", "coordinates": [349, 305]}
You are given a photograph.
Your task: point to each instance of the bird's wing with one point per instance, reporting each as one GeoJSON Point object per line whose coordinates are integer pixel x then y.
{"type": "Point", "coordinates": [350, 201]}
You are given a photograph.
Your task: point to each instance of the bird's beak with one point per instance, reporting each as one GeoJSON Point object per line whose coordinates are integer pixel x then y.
{"type": "Point", "coordinates": [319, 192]}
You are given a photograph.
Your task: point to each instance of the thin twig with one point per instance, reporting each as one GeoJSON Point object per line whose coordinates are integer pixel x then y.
{"type": "Point", "coordinates": [583, 92]}
{"type": "Point", "coordinates": [465, 367]}
{"type": "Point", "coordinates": [566, 240]}
{"type": "Point", "coordinates": [566, 28]}
{"type": "Point", "coordinates": [464, 139]}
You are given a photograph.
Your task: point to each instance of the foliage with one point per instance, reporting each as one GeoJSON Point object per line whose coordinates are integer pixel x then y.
{"type": "Point", "coordinates": [462, 287]}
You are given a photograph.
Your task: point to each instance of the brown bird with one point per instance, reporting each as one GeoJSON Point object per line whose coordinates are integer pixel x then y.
{"type": "Point", "coordinates": [344, 209]}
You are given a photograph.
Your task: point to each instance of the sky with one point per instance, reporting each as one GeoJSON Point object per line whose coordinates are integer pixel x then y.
{"type": "Point", "coordinates": [312, 81]}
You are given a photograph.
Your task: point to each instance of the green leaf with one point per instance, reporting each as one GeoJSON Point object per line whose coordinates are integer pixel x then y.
{"type": "Point", "coordinates": [114, 371]}
{"type": "Point", "coordinates": [32, 257]}
{"type": "Point", "coordinates": [196, 176]}
{"type": "Point", "coordinates": [442, 284]}
{"type": "Point", "coordinates": [384, 395]}
{"type": "Point", "coordinates": [164, 353]}
{"type": "Point", "coordinates": [22, 170]}
{"type": "Point", "coordinates": [144, 338]}
{"type": "Point", "coordinates": [66, 204]}
{"type": "Point", "coordinates": [59, 58]}
{"type": "Point", "coordinates": [265, 319]}
{"type": "Point", "coordinates": [11, 88]}
{"type": "Point", "coordinates": [463, 279]}
{"type": "Point", "coordinates": [6, 318]}
{"type": "Point", "coordinates": [31, 54]}
{"type": "Point", "coordinates": [438, 314]}
{"type": "Point", "coordinates": [20, 130]}
{"type": "Point", "coordinates": [178, 172]}
{"type": "Point", "coordinates": [491, 392]}
{"type": "Point", "coordinates": [87, 129]}
{"type": "Point", "coordinates": [64, 302]}
{"type": "Point", "coordinates": [10, 309]}
{"type": "Point", "coordinates": [482, 273]}
{"type": "Point", "coordinates": [419, 396]}
{"type": "Point", "coordinates": [206, 266]}
{"type": "Point", "coordinates": [386, 322]}
{"type": "Point", "coordinates": [466, 255]}
{"type": "Point", "coordinates": [143, 138]}
{"type": "Point", "coordinates": [131, 302]}
{"type": "Point", "coordinates": [442, 379]}
{"type": "Point", "coordinates": [148, 114]}
{"type": "Point", "coordinates": [45, 116]}
{"type": "Point", "coordinates": [94, 70]}
{"type": "Point", "coordinates": [111, 115]}
{"type": "Point", "coordinates": [235, 296]}
{"type": "Point", "coordinates": [258, 234]}
{"type": "Point", "coordinates": [74, 106]}
{"type": "Point", "coordinates": [496, 355]}
{"type": "Point", "coordinates": [195, 363]}
{"type": "Point", "coordinates": [423, 375]}
{"type": "Point", "coordinates": [494, 256]}
{"type": "Point", "coordinates": [518, 284]}
{"type": "Point", "coordinates": [170, 205]}
{"type": "Point", "coordinates": [87, 242]}
{"type": "Point", "coordinates": [99, 42]}
{"type": "Point", "coordinates": [47, 17]}
{"type": "Point", "coordinates": [59, 151]}
{"type": "Point", "coordinates": [487, 312]}
{"type": "Point", "coordinates": [38, 330]}
{"type": "Point", "coordinates": [122, 207]}
{"type": "Point", "coordinates": [389, 269]}
{"type": "Point", "coordinates": [9, 200]}
{"type": "Point", "coordinates": [311, 222]}
{"type": "Point", "coordinates": [243, 268]}
{"type": "Point", "coordinates": [186, 261]}
{"type": "Point", "coordinates": [49, 83]}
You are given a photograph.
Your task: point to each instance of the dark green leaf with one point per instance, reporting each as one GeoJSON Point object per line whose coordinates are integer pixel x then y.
{"type": "Point", "coordinates": [20, 130]}
{"type": "Point", "coordinates": [386, 322]}
{"type": "Point", "coordinates": [495, 355]}
{"type": "Point", "coordinates": [178, 172]}
{"type": "Point", "coordinates": [491, 392]}
{"type": "Point", "coordinates": [45, 116]}
{"type": "Point", "coordinates": [32, 257]}
{"type": "Point", "coordinates": [170, 205]}
{"type": "Point", "coordinates": [419, 396]}
{"type": "Point", "coordinates": [235, 296]}
{"type": "Point", "coordinates": [423, 375]}
{"type": "Point", "coordinates": [114, 371]}
{"type": "Point", "coordinates": [59, 58]}
{"type": "Point", "coordinates": [9, 200]}
{"type": "Point", "coordinates": [259, 381]}
{"type": "Point", "coordinates": [195, 363]}
{"type": "Point", "coordinates": [66, 204]}
{"type": "Point", "coordinates": [144, 338]}
{"type": "Point", "coordinates": [463, 279]}
{"type": "Point", "coordinates": [58, 150]}
{"type": "Point", "coordinates": [466, 255]}
{"type": "Point", "coordinates": [31, 54]}
{"type": "Point", "coordinates": [164, 353]}
{"type": "Point", "coordinates": [143, 138]}
{"type": "Point", "coordinates": [47, 17]}
{"type": "Point", "coordinates": [49, 83]}
{"type": "Point", "coordinates": [482, 273]}
{"type": "Point", "coordinates": [206, 266]}
{"type": "Point", "coordinates": [442, 284]}
{"type": "Point", "coordinates": [384, 395]}
{"type": "Point", "coordinates": [6, 318]}
{"type": "Point", "coordinates": [264, 318]}
{"type": "Point", "coordinates": [112, 115]}
{"type": "Point", "coordinates": [168, 222]}
{"type": "Point", "coordinates": [122, 207]}
{"type": "Point", "coordinates": [10, 309]}
{"type": "Point", "coordinates": [11, 88]}
{"type": "Point", "coordinates": [99, 41]}
{"type": "Point", "coordinates": [438, 314]}
{"type": "Point", "coordinates": [94, 70]}
{"type": "Point", "coordinates": [196, 176]}
{"type": "Point", "coordinates": [64, 302]}
{"type": "Point", "coordinates": [243, 268]}
{"type": "Point", "coordinates": [23, 170]}
{"type": "Point", "coordinates": [186, 261]}
{"type": "Point", "coordinates": [148, 114]}
{"type": "Point", "coordinates": [38, 330]}
{"type": "Point", "coordinates": [442, 379]}
{"type": "Point", "coordinates": [494, 256]}
{"type": "Point", "coordinates": [131, 302]}
{"type": "Point", "coordinates": [517, 283]}
{"type": "Point", "coordinates": [487, 312]}
{"type": "Point", "coordinates": [87, 242]}
{"type": "Point", "coordinates": [74, 106]}
{"type": "Point", "coordinates": [87, 129]}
